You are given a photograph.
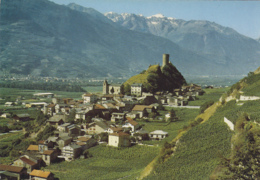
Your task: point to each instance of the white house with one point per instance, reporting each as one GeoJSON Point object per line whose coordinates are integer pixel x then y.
{"type": "Point", "coordinates": [6, 115]}
{"type": "Point", "coordinates": [114, 129]}
{"type": "Point", "coordinates": [117, 116]}
{"type": "Point", "coordinates": [71, 151]}
{"type": "Point", "coordinates": [130, 123]}
{"type": "Point", "coordinates": [7, 104]}
{"type": "Point", "coordinates": [136, 89]}
{"type": "Point", "coordinates": [44, 95]}
{"type": "Point", "coordinates": [89, 98]}
{"type": "Point", "coordinates": [120, 139]}
{"type": "Point", "coordinates": [63, 127]}
{"type": "Point", "coordinates": [158, 134]}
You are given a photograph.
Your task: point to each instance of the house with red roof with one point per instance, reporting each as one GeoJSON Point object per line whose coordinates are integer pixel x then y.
{"type": "Point", "coordinates": [130, 123]}
{"type": "Point", "coordinates": [27, 163]}
{"type": "Point", "coordinates": [20, 172]}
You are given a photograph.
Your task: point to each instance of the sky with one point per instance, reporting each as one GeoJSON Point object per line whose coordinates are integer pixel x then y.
{"type": "Point", "coordinates": [243, 16]}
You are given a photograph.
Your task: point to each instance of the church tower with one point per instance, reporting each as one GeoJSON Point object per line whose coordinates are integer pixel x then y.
{"type": "Point", "coordinates": [105, 87]}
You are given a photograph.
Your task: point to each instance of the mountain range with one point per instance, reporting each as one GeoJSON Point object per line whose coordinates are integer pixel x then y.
{"type": "Point", "coordinates": [42, 38]}
{"type": "Point", "coordinates": [219, 44]}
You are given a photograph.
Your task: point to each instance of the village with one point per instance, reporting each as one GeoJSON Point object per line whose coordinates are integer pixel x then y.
{"type": "Point", "coordinates": [109, 118]}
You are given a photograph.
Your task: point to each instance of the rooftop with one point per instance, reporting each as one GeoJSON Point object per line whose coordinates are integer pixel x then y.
{"type": "Point", "coordinates": [159, 132]}
{"type": "Point", "coordinates": [9, 168]}
{"type": "Point", "coordinates": [141, 107]}
{"type": "Point", "coordinates": [28, 161]}
{"type": "Point", "coordinates": [33, 148]}
{"type": "Point", "coordinates": [83, 139]}
{"type": "Point", "coordinates": [119, 134]}
{"type": "Point", "coordinates": [48, 152]}
{"type": "Point", "coordinates": [39, 173]}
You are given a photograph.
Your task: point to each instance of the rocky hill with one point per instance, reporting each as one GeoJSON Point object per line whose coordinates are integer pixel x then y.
{"type": "Point", "coordinates": [158, 78]}
{"type": "Point", "coordinates": [218, 44]}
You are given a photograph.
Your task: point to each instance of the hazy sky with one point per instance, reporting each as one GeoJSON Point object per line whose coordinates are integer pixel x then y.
{"type": "Point", "coordinates": [243, 16]}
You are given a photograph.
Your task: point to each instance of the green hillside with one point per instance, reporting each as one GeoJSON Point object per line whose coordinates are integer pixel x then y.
{"type": "Point", "coordinates": [156, 78]}
{"type": "Point", "coordinates": [205, 151]}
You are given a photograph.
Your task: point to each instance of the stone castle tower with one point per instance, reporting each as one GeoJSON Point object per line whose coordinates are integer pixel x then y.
{"type": "Point", "coordinates": [166, 60]}
{"type": "Point", "coordinates": [105, 87]}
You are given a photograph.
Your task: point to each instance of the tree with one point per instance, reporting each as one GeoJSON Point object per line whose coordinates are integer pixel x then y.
{"type": "Point", "coordinates": [72, 116]}
{"type": "Point", "coordinates": [112, 90]}
{"type": "Point", "coordinates": [87, 154]}
{"type": "Point", "coordinates": [40, 118]}
{"type": "Point", "coordinates": [152, 115]}
{"type": "Point", "coordinates": [172, 115]}
{"type": "Point", "coordinates": [48, 131]}
{"type": "Point", "coordinates": [160, 107]}
{"type": "Point", "coordinates": [244, 160]}
{"type": "Point", "coordinates": [127, 89]}
{"type": "Point", "coordinates": [4, 129]}
{"type": "Point", "coordinates": [14, 153]}
{"type": "Point", "coordinates": [88, 119]}
{"type": "Point", "coordinates": [104, 137]}
{"type": "Point", "coordinates": [153, 82]}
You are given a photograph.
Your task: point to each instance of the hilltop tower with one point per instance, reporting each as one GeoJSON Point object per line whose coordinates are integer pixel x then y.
{"type": "Point", "coordinates": [105, 87]}
{"type": "Point", "coordinates": [166, 60]}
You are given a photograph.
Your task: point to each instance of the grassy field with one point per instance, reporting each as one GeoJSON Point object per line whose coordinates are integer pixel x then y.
{"type": "Point", "coordinates": [10, 94]}
{"type": "Point", "coordinates": [211, 94]}
{"type": "Point", "coordinates": [94, 89]}
{"type": "Point", "coordinates": [107, 163]}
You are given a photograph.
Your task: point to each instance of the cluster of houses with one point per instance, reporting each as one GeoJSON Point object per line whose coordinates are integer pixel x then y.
{"type": "Point", "coordinates": [112, 115]}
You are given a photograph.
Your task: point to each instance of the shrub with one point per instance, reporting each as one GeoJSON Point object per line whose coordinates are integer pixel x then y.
{"type": "Point", "coordinates": [206, 105]}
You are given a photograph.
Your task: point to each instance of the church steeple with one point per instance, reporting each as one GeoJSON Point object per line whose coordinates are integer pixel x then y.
{"type": "Point", "coordinates": [105, 87]}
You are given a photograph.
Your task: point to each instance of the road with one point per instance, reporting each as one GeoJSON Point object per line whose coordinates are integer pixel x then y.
{"type": "Point", "coordinates": [189, 107]}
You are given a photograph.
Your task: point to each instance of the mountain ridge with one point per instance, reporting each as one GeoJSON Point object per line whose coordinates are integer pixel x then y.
{"type": "Point", "coordinates": [58, 41]}
{"type": "Point", "coordinates": [42, 38]}
{"type": "Point", "coordinates": [222, 45]}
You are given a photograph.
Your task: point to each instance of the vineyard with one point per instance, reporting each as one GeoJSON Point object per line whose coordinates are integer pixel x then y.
{"type": "Point", "coordinates": [200, 149]}
{"type": "Point", "coordinates": [107, 163]}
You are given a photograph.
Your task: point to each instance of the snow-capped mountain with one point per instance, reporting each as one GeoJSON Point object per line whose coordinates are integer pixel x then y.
{"type": "Point", "coordinates": [220, 44]}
